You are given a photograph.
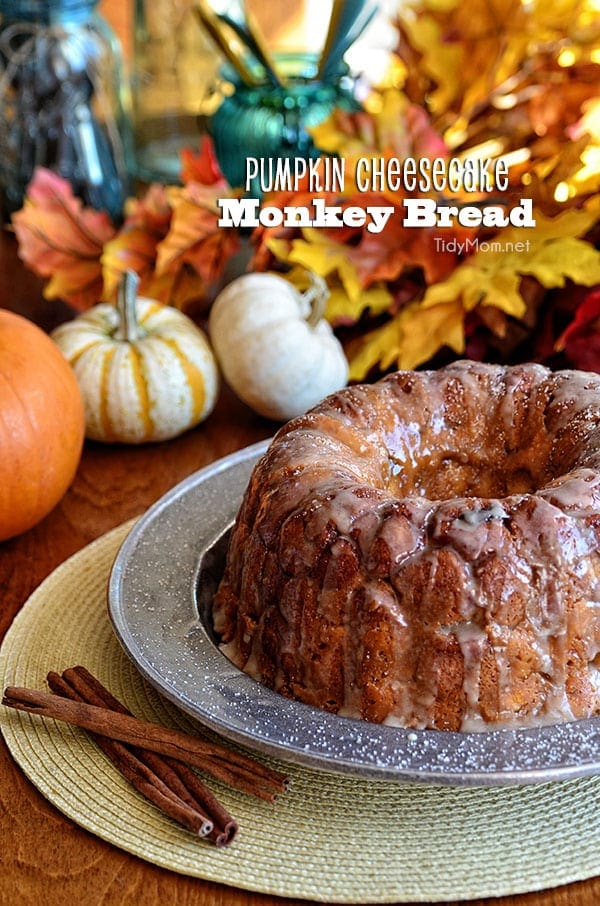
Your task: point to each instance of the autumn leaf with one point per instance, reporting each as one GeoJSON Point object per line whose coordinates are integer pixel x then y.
{"type": "Point", "coordinates": [322, 255]}
{"type": "Point", "coordinates": [544, 176]}
{"type": "Point", "coordinates": [505, 77]}
{"type": "Point", "coordinates": [390, 126]}
{"type": "Point", "coordinates": [468, 48]}
{"type": "Point", "coordinates": [465, 50]}
{"type": "Point", "coordinates": [581, 339]}
{"type": "Point", "coordinates": [567, 171]}
{"type": "Point", "coordinates": [409, 339]}
{"type": "Point", "coordinates": [195, 244]}
{"type": "Point", "coordinates": [262, 236]}
{"type": "Point", "coordinates": [550, 252]}
{"type": "Point", "coordinates": [390, 123]}
{"type": "Point", "coordinates": [62, 240]}
{"type": "Point", "coordinates": [134, 247]}
{"type": "Point", "coordinates": [434, 61]}
{"type": "Point", "coordinates": [152, 211]}
{"type": "Point", "coordinates": [180, 287]}
{"type": "Point", "coordinates": [352, 133]}
{"type": "Point", "coordinates": [360, 258]}
{"type": "Point", "coordinates": [342, 311]}
{"type": "Point", "coordinates": [424, 140]}
{"type": "Point", "coordinates": [203, 167]}
{"type": "Point", "coordinates": [386, 255]}
{"type": "Point", "coordinates": [586, 180]}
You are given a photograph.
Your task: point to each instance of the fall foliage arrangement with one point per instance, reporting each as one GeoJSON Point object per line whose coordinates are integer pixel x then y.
{"type": "Point", "coordinates": [487, 78]}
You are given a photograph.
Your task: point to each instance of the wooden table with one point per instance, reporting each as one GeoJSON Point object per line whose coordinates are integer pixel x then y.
{"type": "Point", "coordinates": [47, 859]}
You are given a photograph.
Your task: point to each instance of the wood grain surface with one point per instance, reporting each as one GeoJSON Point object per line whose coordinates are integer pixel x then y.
{"type": "Point", "coordinates": [47, 860]}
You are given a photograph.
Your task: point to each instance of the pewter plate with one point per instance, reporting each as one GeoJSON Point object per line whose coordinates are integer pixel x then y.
{"type": "Point", "coordinates": [160, 590]}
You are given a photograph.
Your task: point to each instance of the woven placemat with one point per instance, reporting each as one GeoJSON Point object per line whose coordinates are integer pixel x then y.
{"type": "Point", "coordinates": [330, 838]}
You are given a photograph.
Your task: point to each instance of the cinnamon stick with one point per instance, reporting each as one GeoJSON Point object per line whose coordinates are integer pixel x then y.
{"type": "Point", "coordinates": [141, 776]}
{"type": "Point", "coordinates": [218, 761]}
{"type": "Point", "coordinates": [182, 780]}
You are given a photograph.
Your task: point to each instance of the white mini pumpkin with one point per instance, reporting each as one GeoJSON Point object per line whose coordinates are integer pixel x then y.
{"type": "Point", "coordinates": [274, 348]}
{"type": "Point", "coordinates": [145, 371]}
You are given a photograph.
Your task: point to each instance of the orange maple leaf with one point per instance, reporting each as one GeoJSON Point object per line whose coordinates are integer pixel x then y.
{"type": "Point", "coordinates": [194, 239]}
{"type": "Point", "coordinates": [61, 239]}
{"type": "Point", "coordinates": [134, 247]}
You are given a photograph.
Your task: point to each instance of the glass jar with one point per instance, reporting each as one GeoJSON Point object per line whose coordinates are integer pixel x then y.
{"type": "Point", "coordinates": [272, 121]}
{"type": "Point", "coordinates": [173, 80]}
{"type": "Point", "coordinates": [61, 102]}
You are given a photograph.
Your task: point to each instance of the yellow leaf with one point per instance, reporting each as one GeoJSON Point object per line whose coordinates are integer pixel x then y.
{"type": "Point", "coordinates": [550, 252]}
{"type": "Point", "coordinates": [580, 262]}
{"type": "Point", "coordinates": [441, 65]}
{"type": "Point", "coordinates": [572, 222]}
{"type": "Point", "coordinates": [342, 310]}
{"type": "Point", "coordinates": [321, 255]}
{"type": "Point", "coordinates": [461, 54]}
{"type": "Point", "coordinates": [411, 338]}
{"type": "Point", "coordinates": [280, 248]}
{"type": "Point", "coordinates": [477, 281]}
{"type": "Point", "coordinates": [347, 134]}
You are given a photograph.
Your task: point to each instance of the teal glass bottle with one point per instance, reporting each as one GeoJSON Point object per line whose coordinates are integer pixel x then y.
{"type": "Point", "coordinates": [273, 121]}
{"type": "Point", "coordinates": [62, 102]}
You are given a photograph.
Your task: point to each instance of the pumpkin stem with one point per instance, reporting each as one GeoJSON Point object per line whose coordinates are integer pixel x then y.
{"type": "Point", "coordinates": [128, 329]}
{"type": "Point", "coordinates": [316, 295]}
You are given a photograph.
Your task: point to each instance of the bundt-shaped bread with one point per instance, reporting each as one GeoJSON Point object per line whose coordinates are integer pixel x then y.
{"type": "Point", "coordinates": [424, 551]}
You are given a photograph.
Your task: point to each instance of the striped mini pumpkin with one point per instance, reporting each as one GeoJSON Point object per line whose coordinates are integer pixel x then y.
{"type": "Point", "coordinates": [146, 372]}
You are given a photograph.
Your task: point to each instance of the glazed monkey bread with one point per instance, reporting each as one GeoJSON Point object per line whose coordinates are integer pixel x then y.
{"type": "Point", "coordinates": [424, 551]}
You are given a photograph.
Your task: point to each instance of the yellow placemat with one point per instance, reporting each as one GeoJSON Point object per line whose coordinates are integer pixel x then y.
{"type": "Point", "coordinates": [330, 838]}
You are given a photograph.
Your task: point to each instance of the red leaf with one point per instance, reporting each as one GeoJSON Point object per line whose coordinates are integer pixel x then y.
{"type": "Point", "coordinates": [203, 167]}
{"type": "Point", "coordinates": [581, 339]}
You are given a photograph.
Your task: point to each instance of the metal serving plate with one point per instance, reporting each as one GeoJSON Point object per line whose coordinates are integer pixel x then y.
{"type": "Point", "coordinates": [159, 600]}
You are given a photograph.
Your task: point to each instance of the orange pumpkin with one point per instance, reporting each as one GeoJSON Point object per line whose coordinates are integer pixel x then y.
{"type": "Point", "coordinates": [41, 424]}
